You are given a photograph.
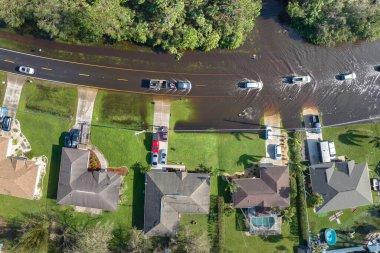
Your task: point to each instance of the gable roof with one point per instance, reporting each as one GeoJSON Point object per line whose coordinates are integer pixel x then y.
{"type": "Point", "coordinates": [168, 194]}
{"type": "Point", "coordinates": [271, 189]}
{"type": "Point", "coordinates": [17, 176]}
{"type": "Point", "coordinates": [79, 187]}
{"type": "Point", "coordinates": [342, 185]}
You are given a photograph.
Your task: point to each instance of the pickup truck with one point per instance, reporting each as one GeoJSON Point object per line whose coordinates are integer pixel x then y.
{"type": "Point", "coordinates": [156, 84]}
{"type": "Point", "coordinates": [315, 124]}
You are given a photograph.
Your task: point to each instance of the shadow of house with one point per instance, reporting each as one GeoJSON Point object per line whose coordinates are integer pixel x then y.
{"type": "Point", "coordinates": [138, 199]}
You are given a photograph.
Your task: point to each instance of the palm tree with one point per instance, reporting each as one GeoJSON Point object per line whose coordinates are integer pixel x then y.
{"type": "Point", "coordinates": [231, 186]}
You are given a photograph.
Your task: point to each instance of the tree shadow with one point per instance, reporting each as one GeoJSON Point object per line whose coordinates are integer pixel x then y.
{"type": "Point", "coordinates": [248, 160]}
{"type": "Point", "coordinates": [222, 190]}
{"type": "Point", "coordinates": [351, 137]}
{"type": "Point", "coordinates": [272, 238]}
{"type": "Point", "coordinates": [138, 198]}
{"type": "Point", "coordinates": [239, 135]}
{"type": "Point", "coordinates": [54, 165]}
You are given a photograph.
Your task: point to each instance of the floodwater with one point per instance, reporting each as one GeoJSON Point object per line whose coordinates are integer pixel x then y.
{"type": "Point", "coordinates": [280, 53]}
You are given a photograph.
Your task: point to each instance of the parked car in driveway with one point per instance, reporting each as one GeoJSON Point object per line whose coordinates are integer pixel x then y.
{"type": "Point", "coordinates": [7, 123]}
{"type": "Point", "coordinates": [154, 159]}
{"type": "Point", "coordinates": [163, 133]}
{"type": "Point", "coordinates": [72, 138]}
{"type": "Point", "coordinates": [163, 156]}
{"type": "Point", "coordinates": [301, 79]}
{"type": "Point", "coordinates": [315, 124]}
{"type": "Point", "coordinates": [268, 133]}
{"type": "Point", "coordinates": [347, 76]}
{"type": "Point", "coordinates": [155, 146]}
{"type": "Point", "coordinates": [26, 70]}
{"type": "Point", "coordinates": [252, 84]}
{"type": "Point", "coordinates": [277, 152]}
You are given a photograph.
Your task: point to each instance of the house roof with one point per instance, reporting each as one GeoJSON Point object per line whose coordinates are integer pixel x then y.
{"type": "Point", "coordinates": [168, 194]}
{"type": "Point", "coordinates": [79, 187]}
{"type": "Point", "coordinates": [17, 176]}
{"type": "Point", "coordinates": [341, 184]}
{"type": "Point", "coordinates": [271, 189]}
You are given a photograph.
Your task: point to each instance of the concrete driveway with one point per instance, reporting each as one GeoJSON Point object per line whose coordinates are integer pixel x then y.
{"type": "Point", "coordinates": [312, 139]}
{"type": "Point", "coordinates": [13, 93]}
{"type": "Point", "coordinates": [86, 101]}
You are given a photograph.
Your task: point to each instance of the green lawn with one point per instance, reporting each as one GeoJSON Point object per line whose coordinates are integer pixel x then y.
{"type": "Point", "coordinates": [41, 96]}
{"type": "Point", "coordinates": [123, 110]}
{"type": "Point", "coordinates": [356, 142]}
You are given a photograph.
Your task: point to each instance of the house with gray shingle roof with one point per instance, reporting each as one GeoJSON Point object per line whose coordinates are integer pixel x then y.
{"type": "Point", "coordinates": [169, 194]}
{"type": "Point", "coordinates": [342, 185]}
{"type": "Point", "coordinates": [78, 186]}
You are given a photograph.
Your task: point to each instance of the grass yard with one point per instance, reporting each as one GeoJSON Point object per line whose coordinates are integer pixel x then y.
{"type": "Point", "coordinates": [123, 110]}
{"type": "Point", "coordinates": [41, 96]}
{"type": "Point", "coordinates": [359, 143]}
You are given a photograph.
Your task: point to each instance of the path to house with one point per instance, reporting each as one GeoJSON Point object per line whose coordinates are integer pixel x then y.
{"type": "Point", "coordinates": [86, 101]}
{"type": "Point", "coordinates": [311, 138]}
{"type": "Point", "coordinates": [274, 120]}
{"type": "Point", "coordinates": [13, 93]}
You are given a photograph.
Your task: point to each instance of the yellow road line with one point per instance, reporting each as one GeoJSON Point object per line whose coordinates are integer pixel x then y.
{"type": "Point", "coordinates": [122, 79]}
{"type": "Point", "coordinates": [46, 68]}
{"type": "Point", "coordinates": [201, 85]}
{"type": "Point", "coordinates": [83, 74]}
{"type": "Point", "coordinates": [9, 61]}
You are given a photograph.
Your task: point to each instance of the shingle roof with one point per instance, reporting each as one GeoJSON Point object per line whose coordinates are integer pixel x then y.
{"type": "Point", "coordinates": [79, 187]}
{"type": "Point", "coordinates": [271, 189]}
{"type": "Point", "coordinates": [342, 185]}
{"type": "Point", "coordinates": [168, 194]}
{"type": "Point", "coordinates": [17, 176]}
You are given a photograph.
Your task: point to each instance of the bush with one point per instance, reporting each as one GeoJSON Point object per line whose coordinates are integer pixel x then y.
{"type": "Point", "coordinates": [221, 208]}
{"type": "Point", "coordinates": [315, 200]}
{"type": "Point", "coordinates": [94, 163]}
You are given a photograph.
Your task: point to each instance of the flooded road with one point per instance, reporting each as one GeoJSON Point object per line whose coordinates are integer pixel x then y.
{"type": "Point", "coordinates": [216, 98]}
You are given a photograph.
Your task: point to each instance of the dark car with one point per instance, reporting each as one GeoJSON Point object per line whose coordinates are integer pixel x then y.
{"type": "Point", "coordinates": [68, 140]}
{"type": "Point", "coordinates": [315, 124]}
{"type": "Point", "coordinates": [163, 133]}
{"type": "Point", "coordinates": [75, 135]}
{"type": "Point", "coordinates": [7, 123]}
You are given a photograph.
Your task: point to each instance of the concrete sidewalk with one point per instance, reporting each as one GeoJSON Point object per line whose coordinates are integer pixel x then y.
{"type": "Point", "coordinates": [13, 93]}
{"type": "Point", "coordinates": [86, 101]}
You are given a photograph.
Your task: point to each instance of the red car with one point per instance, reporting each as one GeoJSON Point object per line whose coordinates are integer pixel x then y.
{"type": "Point", "coordinates": [155, 146]}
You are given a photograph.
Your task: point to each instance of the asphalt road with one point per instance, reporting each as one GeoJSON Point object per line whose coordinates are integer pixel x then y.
{"type": "Point", "coordinates": [115, 78]}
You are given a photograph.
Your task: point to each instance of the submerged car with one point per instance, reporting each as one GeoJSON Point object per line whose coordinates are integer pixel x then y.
{"type": "Point", "coordinates": [183, 85]}
{"type": "Point", "coordinates": [256, 85]}
{"type": "Point", "coordinates": [301, 79]}
{"type": "Point", "coordinates": [26, 70]}
{"type": "Point", "coordinates": [347, 76]}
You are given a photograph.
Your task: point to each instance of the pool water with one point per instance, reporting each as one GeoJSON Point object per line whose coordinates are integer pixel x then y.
{"type": "Point", "coordinates": [265, 222]}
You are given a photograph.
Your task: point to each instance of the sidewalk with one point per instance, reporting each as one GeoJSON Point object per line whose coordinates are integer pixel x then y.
{"type": "Point", "coordinates": [13, 93]}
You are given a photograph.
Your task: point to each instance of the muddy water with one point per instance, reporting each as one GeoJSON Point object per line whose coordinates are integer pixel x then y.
{"type": "Point", "coordinates": [280, 53]}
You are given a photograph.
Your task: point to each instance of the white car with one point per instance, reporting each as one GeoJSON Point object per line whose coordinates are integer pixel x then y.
{"type": "Point", "coordinates": [154, 159]}
{"type": "Point", "coordinates": [255, 85]}
{"type": "Point", "coordinates": [348, 76]}
{"type": "Point", "coordinates": [268, 133]}
{"type": "Point", "coordinates": [301, 79]}
{"type": "Point", "coordinates": [277, 152]}
{"type": "Point", "coordinates": [26, 70]}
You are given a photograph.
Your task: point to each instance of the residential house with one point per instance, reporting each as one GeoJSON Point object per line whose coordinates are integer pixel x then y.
{"type": "Point", "coordinates": [259, 195]}
{"type": "Point", "coordinates": [170, 194]}
{"type": "Point", "coordinates": [79, 186]}
{"type": "Point", "coordinates": [19, 177]}
{"type": "Point", "coordinates": [342, 185]}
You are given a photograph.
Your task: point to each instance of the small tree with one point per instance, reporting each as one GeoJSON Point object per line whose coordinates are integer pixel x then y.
{"type": "Point", "coordinates": [194, 243]}
{"type": "Point", "coordinates": [137, 242]}
{"type": "Point", "coordinates": [315, 200]}
{"type": "Point", "coordinates": [231, 186]}
{"type": "Point", "coordinates": [288, 214]}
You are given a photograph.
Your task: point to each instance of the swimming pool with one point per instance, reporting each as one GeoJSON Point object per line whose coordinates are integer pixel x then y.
{"type": "Point", "coordinates": [263, 222]}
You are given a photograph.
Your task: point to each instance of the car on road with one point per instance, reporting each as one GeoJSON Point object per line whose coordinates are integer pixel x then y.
{"type": "Point", "coordinates": [155, 146]}
{"type": "Point", "coordinates": [7, 123]}
{"type": "Point", "coordinates": [268, 133]}
{"type": "Point", "coordinates": [26, 70]}
{"type": "Point", "coordinates": [154, 159]}
{"type": "Point", "coordinates": [277, 152]}
{"type": "Point", "coordinates": [183, 85]}
{"type": "Point", "coordinates": [163, 133]}
{"type": "Point", "coordinates": [301, 79]}
{"type": "Point", "coordinates": [163, 156]}
{"type": "Point", "coordinates": [251, 84]}
{"type": "Point", "coordinates": [347, 76]}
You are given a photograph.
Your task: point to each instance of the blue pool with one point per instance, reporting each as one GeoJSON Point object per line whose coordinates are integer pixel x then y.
{"type": "Point", "coordinates": [330, 236]}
